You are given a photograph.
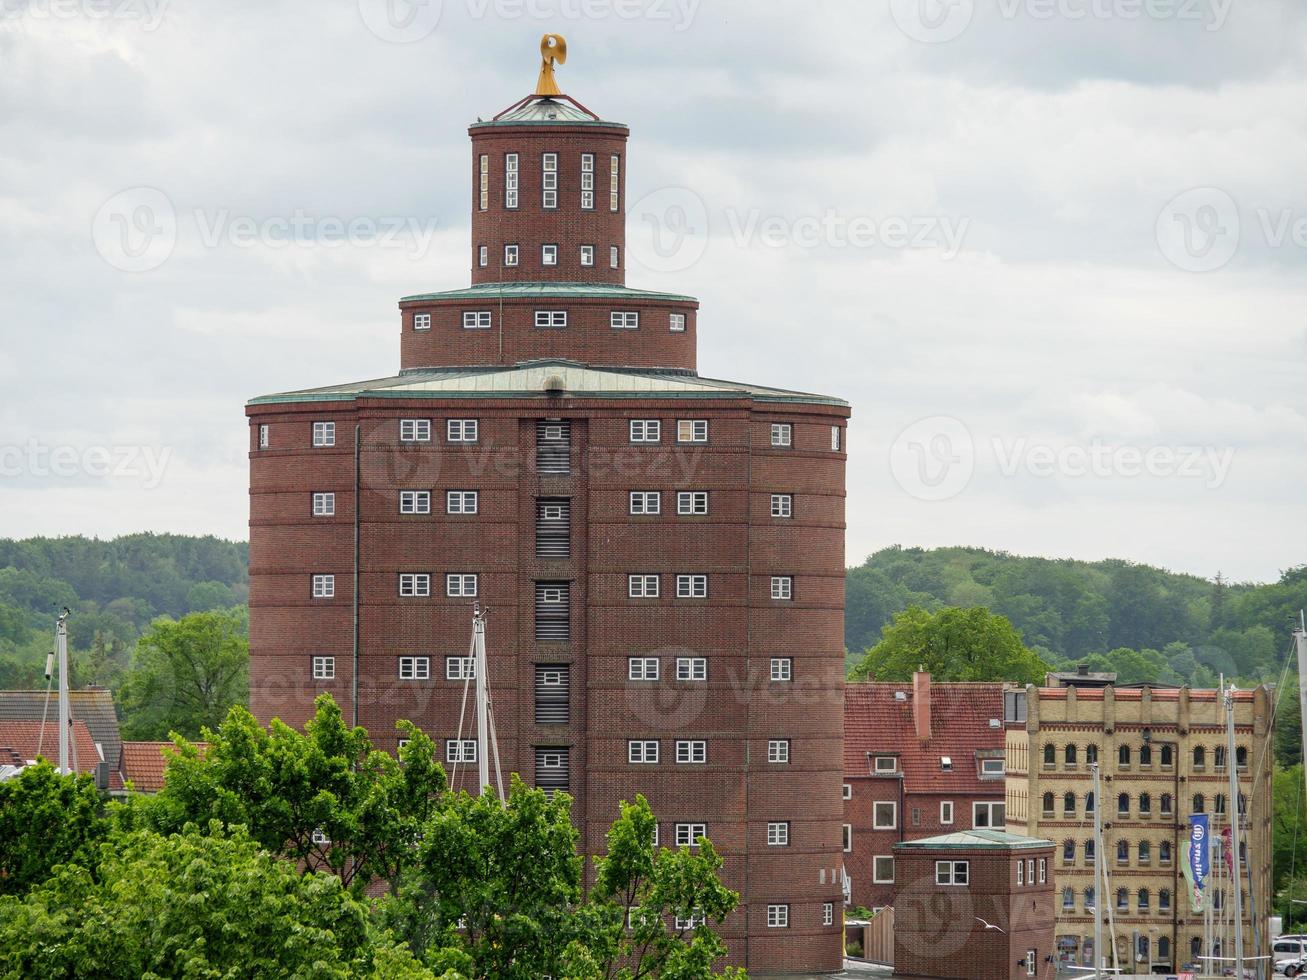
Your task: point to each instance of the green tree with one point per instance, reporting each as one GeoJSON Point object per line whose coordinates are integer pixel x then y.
{"type": "Point", "coordinates": [954, 645]}
{"type": "Point", "coordinates": [186, 674]}
{"type": "Point", "coordinates": [46, 819]}
{"type": "Point", "coordinates": [1289, 833]}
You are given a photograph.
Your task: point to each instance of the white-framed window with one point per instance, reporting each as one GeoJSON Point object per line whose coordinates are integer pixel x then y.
{"type": "Point", "coordinates": [476, 319]}
{"type": "Point", "coordinates": [782, 586]}
{"type": "Point", "coordinates": [587, 255]}
{"type": "Point", "coordinates": [324, 434]}
{"type": "Point", "coordinates": [646, 430]}
{"type": "Point", "coordinates": [778, 916]}
{"type": "Point", "coordinates": [952, 872]}
{"type": "Point", "coordinates": [614, 170]}
{"type": "Point", "coordinates": [692, 502]}
{"type": "Point", "coordinates": [483, 255]}
{"type": "Point", "coordinates": [549, 255]}
{"type": "Point", "coordinates": [551, 318]}
{"type": "Point", "coordinates": [778, 833]}
{"type": "Point", "coordinates": [414, 668]}
{"type": "Point", "coordinates": [510, 180]}
{"type": "Point", "coordinates": [782, 505]}
{"type": "Point", "coordinates": [696, 919]}
{"type": "Point", "coordinates": [782, 668]}
{"type": "Point", "coordinates": [265, 436]}
{"type": "Point", "coordinates": [691, 668]}
{"type": "Point", "coordinates": [828, 913]}
{"type": "Point", "coordinates": [461, 501]}
{"type": "Point", "coordinates": [1032, 961]}
{"type": "Point", "coordinates": [946, 763]}
{"type": "Point", "coordinates": [992, 767]}
{"type": "Point", "coordinates": [676, 322]}
{"type": "Point", "coordinates": [461, 750]}
{"type": "Point", "coordinates": [778, 750]}
{"type": "Point", "coordinates": [549, 180]}
{"type": "Point", "coordinates": [834, 438]}
{"type": "Point", "coordinates": [992, 815]}
{"type": "Point", "coordinates": [692, 586]}
{"type": "Point", "coordinates": [587, 181]}
{"type": "Point", "coordinates": [691, 751]}
{"type": "Point", "coordinates": [324, 586]}
{"type": "Point", "coordinates": [461, 430]}
{"type": "Point", "coordinates": [646, 502]}
{"type": "Point", "coordinates": [459, 584]}
{"type": "Point", "coordinates": [642, 586]}
{"type": "Point", "coordinates": [324, 505]}
{"type": "Point", "coordinates": [484, 181]}
{"type": "Point", "coordinates": [1021, 872]}
{"type": "Point", "coordinates": [319, 837]}
{"type": "Point", "coordinates": [614, 257]}
{"type": "Point", "coordinates": [688, 834]}
{"type": "Point", "coordinates": [414, 584]}
{"type": "Point", "coordinates": [782, 434]}
{"type": "Point", "coordinates": [882, 869]}
{"type": "Point", "coordinates": [324, 668]}
{"type": "Point", "coordinates": [846, 837]}
{"type": "Point", "coordinates": [414, 430]}
{"type": "Point", "coordinates": [415, 501]}
{"type": "Point", "coordinates": [1043, 870]}
{"type": "Point", "coordinates": [624, 320]}
{"type": "Point", "coordinates": [642, 751]}
{"type": "Point", "coordinates": [511, 255]}
{"type": "Point", "coordinates": [945, 811]}
{"type": "Point", "coordinates": [691, 430]}
{"type": "Point", "coordinates": [421, 321]}
{"type": "Point", "coordinates": [642, 668]}
{"type": "Point", "coordinates": [884, 815]}
{"type": "Point", "coordinates": [460, 668]}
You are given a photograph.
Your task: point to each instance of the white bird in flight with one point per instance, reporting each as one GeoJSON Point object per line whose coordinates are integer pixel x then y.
{"type": "Point", "coordinates": [989, 925]}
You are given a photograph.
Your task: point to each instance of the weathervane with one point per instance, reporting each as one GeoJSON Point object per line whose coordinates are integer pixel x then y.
{"type": "Point", "coordinates": [553, 49]}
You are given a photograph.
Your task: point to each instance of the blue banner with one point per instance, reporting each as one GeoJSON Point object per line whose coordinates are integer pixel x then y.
{"type": "Point", "coordinates": [1198, 858]}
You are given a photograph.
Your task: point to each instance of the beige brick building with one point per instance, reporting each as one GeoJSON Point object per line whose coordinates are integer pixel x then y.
{"type": "Point", "coordinates": [1162, 756]}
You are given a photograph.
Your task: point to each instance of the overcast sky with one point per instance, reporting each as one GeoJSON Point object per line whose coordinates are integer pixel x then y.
{"type": "Point", "coordinates": [1053, 252]}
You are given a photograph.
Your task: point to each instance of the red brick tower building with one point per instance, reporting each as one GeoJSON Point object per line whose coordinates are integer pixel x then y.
{"type": "Point", "coordinates": [661, 554]}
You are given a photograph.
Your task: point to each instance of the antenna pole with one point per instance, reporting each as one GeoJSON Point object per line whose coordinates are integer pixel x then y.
{"type": "Point", "coordinates": [1300, 637]}
{"type": "Point", "coordinates": [1099, 897]}
{"type": "Point", "coordinates": [65, 721]}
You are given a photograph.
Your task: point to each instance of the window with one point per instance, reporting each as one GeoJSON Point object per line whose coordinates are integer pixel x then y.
{"type": "Point", "coordinates": [1200, 757]}
{"type": "Point", "coordinates": [476, 319]}
{"type": "Point", "coordinates": [1122, 900]}
{"type": "Point", "coordinates": [884, 815]}
{"type": "Point", "coordinates": [1164, 900]}
{"type": "Point", "coordinates": [320, 837]}
{"type": "Point", "coordinates": [265, 436]}
{"type": "Point", "coordinates": [778, 750]}
{"type": "Point", "coordinates": [324, 586]}
{"type": "Point", "coordinates": [461, 750]}
{"type": "Point", "coordinates": [692, 586]}
{"type": "Point", "coordinates": [642, 752]}
{"type": "Point", "coordinates": [778, 916]}
{"type": "Point", "coordinates": [782, 434]}
{"type": "Point", "coordinates": [415, 501]}
{"type": "Point", "coordinates": [846, 791]}
{"type": "Point", "coordinates": [549, 180]}
{"type": "Point", "coordinates": [1068, 899]}
{"type": "Point", "coordinates": [1091, 753]}
{"type": "Point", "coordinates": [1145, 852]}
{"type": "Point", "coordinates": [324, 433]}
{"type": "Point", "coordinates": [882, 869]}
{"type": "Point", "coordinates": [511, 253]}
{"type": "Point", "coordinates": [1145, 755]}
{"type": "Point", "coordinates": [414, 584]}
{"type": "Point", "coordinates": [1021, 872]}
{"type": "Point", "coordinates": [946, 763]}
{"type": "Point", "coordinates": [1145, 804]}
{"type": "Point", "coordinates": [324, 668]}
{"type": "Point", "coordinates": [1123, 805]}
{"type": "Point", "coordinates": [691, 752]}
{"type": "Point", "coordinates": [691, 668]}
{"type": "Point", "coordinates": [828, 913]}
{"type": "Point", "coordinates": [988, 815]}
{"type": "Point", "coordinates": [553, 617]}
{"type": "Point", "coordinates": [324, 504]}
{"type": "Point", "coordinates": [676, 322]}
{"type": "Point", "coordinates": [1048, 810]}
{"type": "Point", "coordinates": [782, 505]}
{"type": "Point", "coordinates": [483, 256]}
{"type": "Point", "coordinates": [1123, 756]}
{"type": "Point", "coordinates": [421, 321]}
{"type": "Point", "coordinates": [510, 180]}
{"type": "Point", "coordinates": [1069, 754]}
{"type": "Point", "coordinates": [549, 255]}
{"type": "Point", "coordinates": [551, 318]}
{"type": "Point", "coordinates": [992, 767]}
{"type": "Point", "coordinates": [414, 430]}
{"type": "Point", "coordinates": [1043, 870]}
{"type": "Point", "coordinates": [1241, 757]}
{"type": "Point", "coordinates": [952, 872]}
{"type": "Point", "coordinates": [646, 502]}
{"type": "Point", "coordinates": [460, 668]}
{"type": "Point", "coordinates": [460, 501]}
{"type": "Point", "coordinates": [646, 430]}
{"type": "Point", "coordinates": [1218, 804]}
{"type": "Point", "coordinates": [642, 586]}
{"type": "Point", "coordinates": [1032, 962]}
{"type": "Point", "coordinates": [885, 763]}
{"type": "Point", "coordinates": [946, 811]}
{"type": "Point", "coordinates": [1123, 852]}
{"type": "Point", "coordinates": [1068, 804]}
{"type": "Point", "coordinates": [624, 320]}
{"type": "Point", "coordinates": [1164, 852]}
{"type": "Point", "coordinates": [688, 834]}
{"type": "Point", "coordinates": [782, 668]}
{"type": "Point", "coordinates": [484, 173]}
{"type": "Point", "coordinates": [460, 585]}
{"type": "Point", "coordinates": [1068, 852]}
{"type": "Point", "coordinates": [642, 668]}
{"type": "Point", "coordinates": [587, 181]}
{"type": "Point", "coordinates": [1050, 756]}
{"type": "Point", "coordinates": [692, 430]}
{"type": "Point", "coordinates": [614, 169]}
{"type": "Point", "coordinates": [782, 587]}
{"type": "Point", "coordinates": [1218, 757]}
{"type": "Point", "coordinates": [587, 255]}
{"type": "Point", "coordinates": [697, 918]}
{"type": "Point", "coordinates": [835, 438]}
{"type": "Point", "coordinates": [692, 502]}
{"type": "Point", "coordinates": [414, 668]}
{"type": "Point", "coordinates": [461, 430]}
{"type": "Point", "coordinates": [1168, 758]}
{"type": "Point", "coordinates": [1199, 803]}
{"type": "Point", "coordinates": [614, 257]}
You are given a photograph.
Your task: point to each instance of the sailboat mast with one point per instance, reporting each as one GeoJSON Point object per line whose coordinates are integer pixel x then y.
{"type": "Point", "coordinates": [65, 708]}
{"type": "Point", "coordinates": [1099, 897]}
{"type": "Point", "coordinates": [483, 699]}
{"type": "Point", "coordinates": [1232, 810]}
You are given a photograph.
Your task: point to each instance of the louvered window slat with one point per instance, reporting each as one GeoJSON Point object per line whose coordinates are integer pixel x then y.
{"type": "Point", "coordinates": [553, 527]}
{"type": "Point", "coordinates": [553, 688]}
{"type": "Point", "coordinates": [553, 447]}
{"type": "Point", "coordinates": [553, 612]}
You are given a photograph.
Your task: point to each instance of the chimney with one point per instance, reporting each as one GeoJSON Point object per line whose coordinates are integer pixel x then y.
{"type": "Point", "coordinates": [1082, 669]}
{"type": "Point", "coordinates": [921, 703]}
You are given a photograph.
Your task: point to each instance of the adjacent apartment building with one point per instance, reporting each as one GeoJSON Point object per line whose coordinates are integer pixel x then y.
{"type": "Point", "coordinates": [1162, 755]}
{"type": "Point", "coordinates": [920, 759]}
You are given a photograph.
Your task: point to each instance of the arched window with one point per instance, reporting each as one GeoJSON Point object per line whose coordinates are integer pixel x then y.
{"type": "Point", "coordinates": [1048, 804]}
{"type": "Point", "coordinates": [1068, 898]}
{"type": "Point", "coordinates": [1241, 757]}
{"type": "Point", "coordinates": [1146, 755]}
{"type": "Point", "coordinates": [1122, 899]}
{"type": "Point", "coordinates": [1123, 805]}
{"type": "Point", "coordinates": [1163, 942]}
{"type": "Point", "coordinates": [1218, 757]}
{"type": "Point", "coordinates": [1166, 804]}
{"type": "Point", "coordinates": [1195, 947]}
{"type": "Point", "coordinates": [1089, 851]}
{"type": "Point", "coordinates": [1218, 804]}
{"type": "Point", "coordinates": [1050, 755]}
{"type": "Point", "coordinates": [1200, 757]}
{"type": "Point", "coordinates": [1069, 804]}
{"type": "Point", "coordinates": [1142, 899]}
{"type": "Point", "coordinates": [1123, 755]}
{"type": "Point", "coordinates": [1089, 803]}
{"type": "Point", "coordinates": [1199, 803]}
{"type": "Point", "coordinates": [1089, 898]}
{"type": "Point", "coordinates": [1164, 852]}
{"type": "Point", "coordinates": [1167, 758]}
{"type": "Point", "coordinates": [1243, 803]}
{"type": "Point", "coordinates": [1145, 852]}
{"type": "Point", "coordinates": [1145, 803]}
{"type": "Point", "coordinates": [1164, 899]}
{"type": "Point", "coordinates": [1122, 852]}
{"type": "Point", "coordinates": [1068, 852]}
{"type": "Point", "coordinates": [1091, 753]}
{"type": "Point", "coordinates": [1070, 755]}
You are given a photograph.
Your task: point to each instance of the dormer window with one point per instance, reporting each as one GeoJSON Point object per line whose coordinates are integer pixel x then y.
{"type": "Point", "coordinates": [885, 763]}
{"type": "Point", "coordinates": [992, 767]}
{"type": "Point", "coordinates": [946, 763]}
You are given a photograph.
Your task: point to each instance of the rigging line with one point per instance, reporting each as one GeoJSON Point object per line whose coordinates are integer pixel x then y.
{"type": "Point", "coordinates": [462, 711]}
{"type": "Point", "coordinates": [1267, 742]}
{"type": "Point", "coordinates": [45, 711]}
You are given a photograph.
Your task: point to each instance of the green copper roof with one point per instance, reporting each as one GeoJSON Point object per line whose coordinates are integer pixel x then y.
{"type": "Point", "coordinates": [547, 111]}
{"type": "Point", "coordinates": [527, 290]}
{"type": "Point", "coordinates": [971, 840]}
{"type": "Point", "coordinates": [558, 377]}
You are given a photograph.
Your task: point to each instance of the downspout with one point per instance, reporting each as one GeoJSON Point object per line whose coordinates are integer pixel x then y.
{"type": "Point", "coordinates": [354, 674]}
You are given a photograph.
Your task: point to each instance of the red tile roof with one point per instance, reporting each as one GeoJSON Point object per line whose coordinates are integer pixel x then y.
{"type": "Point", "coordinates": [144, 762]}
{"type": "Point", "coordinates": [960, 713]}
{"type": "Point", "coordinates": [21, 740]}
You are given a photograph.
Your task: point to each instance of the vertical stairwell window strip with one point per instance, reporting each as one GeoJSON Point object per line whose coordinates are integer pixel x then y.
{"type": "Point", "coordinates": [484, 178]}
{"type": "Point", "coordinates": [510, 181]}
{"type": "Point", "coordinates": [549, 181]}
{"type": "Point", "coordinates": [614, 182]}
{"type": "Point", "coordinates": [587, 181]}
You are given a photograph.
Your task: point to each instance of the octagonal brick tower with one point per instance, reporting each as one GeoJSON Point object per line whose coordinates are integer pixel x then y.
{"type": "Point", "coordinates": [661, 553]}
